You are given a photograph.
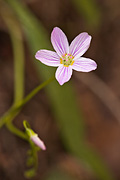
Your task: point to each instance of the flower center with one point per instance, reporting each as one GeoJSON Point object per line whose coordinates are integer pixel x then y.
{"type": "Point", "coordinates": [67, 60]}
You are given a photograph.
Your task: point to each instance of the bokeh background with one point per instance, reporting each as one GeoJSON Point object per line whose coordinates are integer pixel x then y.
{"type": "Point", "coordinates": [95, 95]}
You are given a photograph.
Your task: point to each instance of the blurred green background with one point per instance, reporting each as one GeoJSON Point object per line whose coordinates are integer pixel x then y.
{"type": "Point", "coordinates": [79, 121]}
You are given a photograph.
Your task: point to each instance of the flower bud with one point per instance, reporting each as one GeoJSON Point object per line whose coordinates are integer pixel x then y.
{"type": "Point", "coordinates": [33, 136]}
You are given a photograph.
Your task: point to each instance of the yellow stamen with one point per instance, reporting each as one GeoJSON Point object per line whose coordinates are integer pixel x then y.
{"type": "Point", "coordinates": [67, 60]}
{"type": "Point", "coordinates": [72, 63]}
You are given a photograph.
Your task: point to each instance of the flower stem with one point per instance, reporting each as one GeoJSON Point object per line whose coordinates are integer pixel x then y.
{"type": "Point", "coordinates": [15, 109]}
{"type": "Point", "coordinates": [16, 131]}
{"type": "Point", "coordinates": [35, 91]}
{"type": "Point", "coordinates": [15, 33]}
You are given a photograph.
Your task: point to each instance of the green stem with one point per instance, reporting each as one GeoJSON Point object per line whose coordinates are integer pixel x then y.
{"type": "Point", "coordinates": [35, 91]}
{"type": "Point", "coordinates": [18, 49]}
{"type": "Point", "coordinates": [18, 68]}
{"type": "Point", "coordinates": [16, 131]}
{"type": "Point", "coordinates": [15, 109]}
{"type": "Point", "coordinates": [8, 116]}
{"type": "Point", "coordinates": [34, 151]}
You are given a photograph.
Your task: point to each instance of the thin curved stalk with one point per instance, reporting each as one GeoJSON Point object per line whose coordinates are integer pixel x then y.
{"type": "Point", "coordinates": [15, 109]}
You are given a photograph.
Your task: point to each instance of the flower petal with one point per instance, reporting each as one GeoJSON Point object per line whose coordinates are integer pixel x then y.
{"type": "Point", "coordinates": [80, 45]}
{"type": "Point", "coordinates": [59, 41]}
{"type": "Point", "coordinates": [47, 57]}
{"type": "Point", "coordinates": [38, 141]}
{"type": "Point", "coordinates": [63, 74]}
{"type": "Point", "coordinates": [84, 65]}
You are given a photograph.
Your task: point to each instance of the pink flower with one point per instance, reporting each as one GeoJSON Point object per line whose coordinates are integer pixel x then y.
{"type": "Point", "coordinates": [38, 141]}
{"type": "Point", "coordinates": [33, 136]}
{"type": "Point", "coordinates": [66, 57]}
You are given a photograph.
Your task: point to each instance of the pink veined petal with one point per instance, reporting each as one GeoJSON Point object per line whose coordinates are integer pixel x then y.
{"type": "Point", "coordinates": [80, 45]}
{"type": "Point", "coordinates": [47, 57]}
{"type": "Point", "coordinates": [63, 74]}
{"type": "Point", "coordinates": [38, 141]}
{"type": "Point", "coordinates": [59, 41]}
{"type": "Point", "coordinates": [84, 64]}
